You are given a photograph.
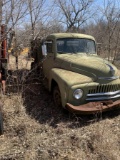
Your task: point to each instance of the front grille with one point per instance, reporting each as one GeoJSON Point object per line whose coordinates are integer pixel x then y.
{"type": "Point", "coordinates": [105, 88]}
{"type": "Point", "coordinates": [104, 92]}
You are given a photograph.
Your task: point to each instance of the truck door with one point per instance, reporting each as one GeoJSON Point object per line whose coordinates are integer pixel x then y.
{"type": "Point", "coordinates": [48, 63]}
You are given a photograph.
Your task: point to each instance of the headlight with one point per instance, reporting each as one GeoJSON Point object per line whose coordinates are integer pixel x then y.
{"type": "Point", "coordinates": [78, 93]}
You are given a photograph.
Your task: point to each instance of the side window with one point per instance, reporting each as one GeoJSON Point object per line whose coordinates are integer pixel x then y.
{"type": "Point", "coordinates": [49, 45]}
{"type": "Point", "coordinates": [60, 46]}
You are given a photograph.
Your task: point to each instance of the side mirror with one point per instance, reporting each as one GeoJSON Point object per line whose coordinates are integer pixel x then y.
{"type": "Point", "coordinates": [44, 50]}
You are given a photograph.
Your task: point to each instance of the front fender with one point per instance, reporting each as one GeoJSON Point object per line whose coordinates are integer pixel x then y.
{"type": "Point", "coordinates": [65, 80]}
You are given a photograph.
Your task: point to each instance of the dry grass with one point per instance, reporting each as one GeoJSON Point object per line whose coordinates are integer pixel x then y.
{"type": "Point", "coordinates": [35, 130]}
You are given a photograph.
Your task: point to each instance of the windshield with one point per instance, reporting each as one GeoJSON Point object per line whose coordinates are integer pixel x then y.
{"type": "Point", "coordinates": [75, 45]}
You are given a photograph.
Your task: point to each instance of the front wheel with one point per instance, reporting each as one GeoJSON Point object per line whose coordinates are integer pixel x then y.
{"type": "Point", "coordinates": [57, 97]}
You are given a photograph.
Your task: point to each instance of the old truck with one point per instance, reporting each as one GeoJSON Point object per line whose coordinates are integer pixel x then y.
{"type": "Point", "coordinates": [78, 78]}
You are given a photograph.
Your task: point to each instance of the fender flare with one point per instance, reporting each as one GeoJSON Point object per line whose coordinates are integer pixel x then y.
{"type": "Point", "coordinates": [55, 77]}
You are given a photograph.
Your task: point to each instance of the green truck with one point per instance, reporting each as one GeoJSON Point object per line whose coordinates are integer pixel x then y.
{"type": "Point", "coordinates": [78, 78]}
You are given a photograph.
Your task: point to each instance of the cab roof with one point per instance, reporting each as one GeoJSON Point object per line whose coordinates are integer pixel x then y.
{"type": "Point", "coordinates": [69, 35]}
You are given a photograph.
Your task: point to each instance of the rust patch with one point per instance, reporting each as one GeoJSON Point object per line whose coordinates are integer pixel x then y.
{"type": "Point", "coordinates": [93, 107]}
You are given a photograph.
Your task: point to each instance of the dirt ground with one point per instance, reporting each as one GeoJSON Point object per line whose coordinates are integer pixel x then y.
{"type": "Point", "coordinates": [34, 129]}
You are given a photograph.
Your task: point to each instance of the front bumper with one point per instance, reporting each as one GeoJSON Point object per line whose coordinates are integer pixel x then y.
{"type": "Point", "coordinates": [93, 107]}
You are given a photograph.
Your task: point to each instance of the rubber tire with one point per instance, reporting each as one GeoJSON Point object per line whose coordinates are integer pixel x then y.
{"type": "Point", "coordinates": [1, 124]}
{"type": "Point", "coordinates": [57, 96]}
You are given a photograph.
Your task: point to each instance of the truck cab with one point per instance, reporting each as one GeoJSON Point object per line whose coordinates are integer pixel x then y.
{"type": "Point", "coordinates": [79, 79]}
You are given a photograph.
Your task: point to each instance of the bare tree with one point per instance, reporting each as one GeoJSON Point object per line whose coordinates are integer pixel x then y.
{"type": "Point", "coordinates": [111, 17]}
{"type": "Point", "coordinates": [13, 13]}
{"type": "Point", "coordinates": [37, 12]}
{"type": "Point", "coordinates": [74, 13]}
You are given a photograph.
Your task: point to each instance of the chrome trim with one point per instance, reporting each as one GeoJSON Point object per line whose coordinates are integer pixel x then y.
{"type": "Point", "coordinates": [109, 78]}
{"type": "Point", "coordinates": [112, 71]}
{"type": "Point", "coordinates": [102, 98]}
{"type": "Point", "coordinates": [103, 94]}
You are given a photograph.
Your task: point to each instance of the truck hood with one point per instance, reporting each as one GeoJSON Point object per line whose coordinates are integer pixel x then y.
{"type": "Point", "coordinates": [89, 65]}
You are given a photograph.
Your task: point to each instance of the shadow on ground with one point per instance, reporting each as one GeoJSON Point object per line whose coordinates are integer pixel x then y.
{"type": "Point", "coordinates": [39, 104]}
